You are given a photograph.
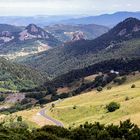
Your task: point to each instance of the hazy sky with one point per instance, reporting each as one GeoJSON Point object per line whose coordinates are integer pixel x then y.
{"type": "Point", "coordinates": [63, 7]}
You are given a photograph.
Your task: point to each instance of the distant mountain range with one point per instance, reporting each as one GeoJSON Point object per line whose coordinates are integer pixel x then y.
{"type": "Point", "coordinates": [39, 20]}
{"type": "Point", "coordinates": [58, 49]}
{"type": "Point", "coordinates": [123, 41]}
{"type": "Point", "coordinates": [20, 41]}
{"type": "Point", "coordinates": [105, 19]}
{"type": "Point", "coordinates": [16, 41]}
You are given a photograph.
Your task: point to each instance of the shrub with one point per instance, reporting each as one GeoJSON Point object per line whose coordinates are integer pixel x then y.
{"type": "Point", "coordinates": [109, 87]}
{"type": "Point", "coordinates": [44, 101]}
{"type": "Point", "coordinates": [133, 86]}
{"type": "Point", "coordinates": [53, 105]}
{"type": "Point", "coordinates": [25, 101]}
{"type": "Point", "coordinates": [126, 98]}
{"type": "Point", "coordinates": [120, 81]}
{"type": "Point", "coordinates": [63, 95]}
{"type": "Point", "coordinates": [19, 118]}
{"type": "Point", "coordinates": [111, 107]}
{"type": "Point", "coordinates": [99, 88]}
{"type": "Point", "coordinates": [2, 98]}
{"type": "Point", "coordinates": [74, 107]}
{"type": "Point", "coordinates": [35, 95]}
{"type": "Point", "coordinates": [14, 130]}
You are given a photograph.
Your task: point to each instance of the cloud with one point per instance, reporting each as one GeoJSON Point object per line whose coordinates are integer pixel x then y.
{"type": "Point", "coordinates": [46, 7]}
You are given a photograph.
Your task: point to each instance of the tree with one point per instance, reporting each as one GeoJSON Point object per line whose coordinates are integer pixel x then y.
{"type": "Point", "coordinates": [19, 118]}
{"type": "Point", "coordinates": [74, 107]}
{"type": "Point", "coordinates": [53, 105]}
{"type": "Point", "coordinates": [109, 87]}
{"type": "Point", "coordinates": [111, 107]}
{"type": "Point", "coordinates": [51, 90]}
{"type": "Point", "coordinates": [133, 86]}
{"type": "Point", "coordinates": [99, 88]}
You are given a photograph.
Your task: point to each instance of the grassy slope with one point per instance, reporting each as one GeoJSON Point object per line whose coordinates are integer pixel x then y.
{"type": "Point", "coordinates": [30, 116]}
{"type": "Point", "coordinates": [91, 106]}
{"type": "Point", "coordinates": [27, 116]}
{"type": "Point", "coordinates": [33, 118]}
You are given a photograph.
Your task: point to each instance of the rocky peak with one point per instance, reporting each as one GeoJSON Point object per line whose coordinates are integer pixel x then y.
{"type": "Point", "coordinates": [33, 31]}
{"type": "Point", "coordinates": [32, 28]}
{"type": "Point", "coordinates": [78, 36]}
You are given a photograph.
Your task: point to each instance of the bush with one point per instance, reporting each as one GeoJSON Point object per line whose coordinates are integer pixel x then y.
{"type": "Point", "coordinates": [63, 95]}
{"type": "Point", "coordinates": [2, 98]}
{"type": "Point", "coordinates": [120, 81]}
{"type": "Point", "coordinates": [53, 105]}
{"type": "Point", "coordinates": [16, 130]}
{"type": "Point", "coordinates": [126, 98]}
{"type": "Point", "coordinates": [35, 95]}
{"type": "Point", "coordinates": [133, 86]}
{"type": "Point", "coordinates": [74, 107]}
{"type": "Point", "coordinates": [44, 101]}
{"type": "Point", "coordinates": [25, 101]}
{"type": "Point", "coordinates": [111, 107]}
{"type": "Point", "coordinates": [99, 89]}
{"type": "Point", "coordinates": [19, 118]}
{"type": "Point", "coordinates": [109, 87]}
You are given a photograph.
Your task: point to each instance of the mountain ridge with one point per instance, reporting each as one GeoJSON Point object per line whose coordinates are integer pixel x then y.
{"type": "Point", "coordinates": [79, 54]}
{"type": "Point", "coordinates": [104, 19]}
{"type": "Point", "coordinates": [65, 32]}
{"type": "Point", "coordinates": [29, 40]}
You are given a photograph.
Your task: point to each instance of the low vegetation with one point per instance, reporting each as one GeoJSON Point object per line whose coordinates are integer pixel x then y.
{"type": "Point", "coordinates": [18, 130]}
{"type": "Point", "coordinates": [111, 107]}
{"type": "Point", "coordinates": [133, 86]}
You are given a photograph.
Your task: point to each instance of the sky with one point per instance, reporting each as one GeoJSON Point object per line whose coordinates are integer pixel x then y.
{"type": "Point", "coordinates": [65, 7]}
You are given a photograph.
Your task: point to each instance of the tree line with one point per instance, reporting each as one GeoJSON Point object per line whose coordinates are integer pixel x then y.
{"type": "Point", "coordinates": [20, 131]}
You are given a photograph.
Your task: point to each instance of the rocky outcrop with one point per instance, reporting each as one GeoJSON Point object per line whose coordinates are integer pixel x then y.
{"type": "Point", "coordinates": [78, 36]}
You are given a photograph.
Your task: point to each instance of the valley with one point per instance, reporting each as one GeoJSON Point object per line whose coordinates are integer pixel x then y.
{"type": "Point", "coordinates": [70, 77]}
{"type": "Point", "coordinates": [83, 53]}
{"type": "Point", "coordinates": [65, 32]}
{"type": "Point", "coordinates": [21, 42]}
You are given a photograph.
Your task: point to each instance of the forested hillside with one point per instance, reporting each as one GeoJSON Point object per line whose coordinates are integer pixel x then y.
{"type": "Point", "coordinates": [120, 42]}
{"type": "Point", "coordinates": [123, 66]}
{"type": "Point", "coordinates": [16, 77]}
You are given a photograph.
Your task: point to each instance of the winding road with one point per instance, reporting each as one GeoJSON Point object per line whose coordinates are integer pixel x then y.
{"type": "Point", "coordinates": [43, 113]}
